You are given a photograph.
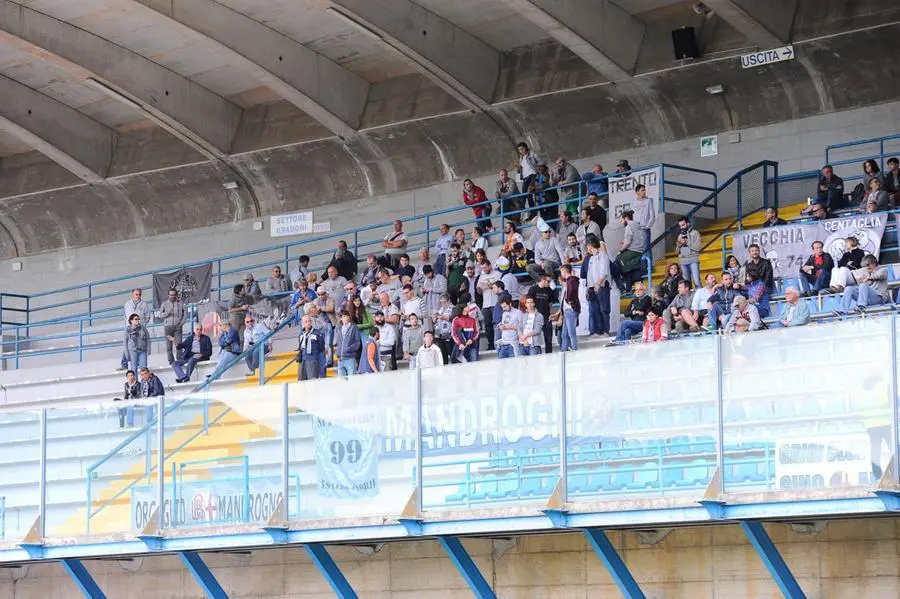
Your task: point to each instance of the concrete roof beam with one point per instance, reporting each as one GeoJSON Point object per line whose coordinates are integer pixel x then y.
{"type": "Point", "coordinates": [599, 32]}
{"type": "Point", "coordinates": [323, 89]}
{"type": "Point", "coordinates": [197, 116]}
{"type": "Point", "coordinates": [766, 23]}
{"type": "Point", "coordinates": [454, 59]}
{"type": "Point", "coordinates": [76, 142]}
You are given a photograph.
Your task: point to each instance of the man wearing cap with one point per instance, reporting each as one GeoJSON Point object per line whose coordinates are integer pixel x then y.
{"type": "Point", "coordinates": [387, 338]}
{"type": "Point", "coordinates": [328, 310]}
{"type": "Point", "coordinates": [251, 289]}
{"type": "Point", "coordinates": [509, 280]}
{"type": "Point", "coordinates": [741, 308]}
{"type": "Point", "coordinates": [622, 167]}
{"type": "Point", "coordinates": [547, 254]}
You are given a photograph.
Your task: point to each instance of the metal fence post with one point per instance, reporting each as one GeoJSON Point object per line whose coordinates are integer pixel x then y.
{"type": "Point", "coordinates": [80, 340]}
{"type": "Point", "coordinates": [419, 450]}
{"type": "Point", "coordinates": [261, 366]}
{"type": "Point", "coordinates": [775, 168]}
{"type": "Point", "coordinates": [740, 202]}
{"type": "Point", "coordinates": [161, 458]}
{"type": "Point", "coordinates": [563, 432]}
{"type": "Point", "coordinates": [219, 277]}
{"type": "Point", "coordinates": [286, 453]}
{"type": "Point", "coordinates": [720, 414]}
{"type": "Point", "coordinates": [428, 230]}
{"type": "Point", "coordinates": [43, 480]}
{"type": "Point", "coordinates": [91, 303]}
{"type": "Point", "coordinates": [895, 437]}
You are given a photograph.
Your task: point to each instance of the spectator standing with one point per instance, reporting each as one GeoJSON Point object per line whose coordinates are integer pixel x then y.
{"type": "Point", "coordinates": [303, 295]}
{"type": "Point", "coordinates": [528, 170]}
{"type": "Point", "coordinates": [598, 277]}
{"type": "Point", "coordinates": [132, 391]}
{"type": "Point", "coordinates": [334, 283]}
{"type": "Point", "coordinates": [464, 332]}
{"type": "Point", "coordinates": [310, 348]}
{"type": "Point", "coordinates": [475, 197]}
{"type": "Point", "coordinates": [547, 254]}
{"type": "Point", "coordinates": [849, 261]}
{"type": "Point", "coordinates": [442, 317]}
{"type": "Point", "coordinates": [635, 314]}
{"type": "Point", "coordinates": [135, 305]}
{"type": "Point", "coordinates": [237, 309]}
{"type": "Point", "coordinates": [137, 342]}
{"type": "Point", "coordinates": [544, 193]}
{"type": "Point", "coordinates": [598, 184]}
{"type": "Point", "coordinates": [512, 237]}
{"type": "Point", "coordinates": [301, 271]}
{"type": "Point", "coordinates": [413, 338]}
{"type": "Point", "coordinates": [441, 247]}
{"type": "Point", "coordinates": [196, 348]}
{"type": "Point", "coordinates": [531, 329]}
{"type": "Point", "coordinates": [433, 286]}
{"type": "Point", "coordinates": [570, 306]}
{"type": "Point", "coordinates": [456, 268]}
{"type": "Point", "coordinates": [871, 288]}
{"type": "Point", "coordinates": [173, 314]}
{"type": "Point", "coordinates": [370, 360]}
{"type": "Point", "coordinates": [229, 349]}
{"type": "Point", "coordinates": [387, 339]}
{"type": "Point", "coordinates": [507, 192]}
{"type": "Point", "coordinates": [508, 325]}
{"type": "Point", "coordinates": [412, 305]}
{"type": "Point", "coordinates": [644, 210]}
{"type": "Point", "coordinates": [509, 280]}
{"type": "Point", "coordinates": [794, 312]}
{"type": "Point", "coordinates": [278, 287]}
{"type": "Point", "coordinates": [328, 311]}
{"type": "Point", "coordinates": [344, 261]}
{"type": "Point", "coordinates": [772, 219]}
{"type": "Point", "coordinates": [631, 249]}
{"type": "Point", "coordinates": [251, 289]}
{"type": "Point", "coordinates": [815, 273]}
{"type": "Point", "coordinates": [479, 241]}
{"type": "Point", "coordinates": [359, 315]}
{"type": "Point", "coordinates": [543, 298]}
{"type": "Point", "coordinates": [484, 288]}
{"type": "Point", "coordinates": [394, 245]}
{"type": "Point", "coordinates": [830, 189]}
{"type": "Point", "coordinates": [151, 386]}
{"type": "Point", "coordinates": [566, 175]}
{"type": "Point", "coordinates": [254, 333]}
{"type": "Point", "coordinates": [429, 354]}
{"type": "Point", "coordinates": [892, 181]}
{"type": "Point", "coordinates": [742, 309]}
{"type": "Point", "coordinates": [655, 328]}
{"type": "Point", "coordinates": [688, 246]}
{"type": "Point", "coordinates": [348, 344]}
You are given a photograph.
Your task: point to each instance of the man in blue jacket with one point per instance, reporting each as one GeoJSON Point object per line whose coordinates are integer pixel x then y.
{"type": "Point", "coordinates": [311, 348]}
{"type": "Point", "coordinates": [229, 349]}
{"type": "Point", "coordinates": [196, 348]}
{"type": "Point", "coordinates": [348, 345]}
{"type": "Point", "coordinates": [831, 189]}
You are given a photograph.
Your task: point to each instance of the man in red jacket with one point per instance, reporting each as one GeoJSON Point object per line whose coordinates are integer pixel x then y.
{"type": "Point", "coordinates": [464, 332]}
{"type": "Point", "coordinates": [474, 196]}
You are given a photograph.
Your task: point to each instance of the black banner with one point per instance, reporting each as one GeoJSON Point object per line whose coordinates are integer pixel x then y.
{"type": "Point", "coordinates": [192, 284]}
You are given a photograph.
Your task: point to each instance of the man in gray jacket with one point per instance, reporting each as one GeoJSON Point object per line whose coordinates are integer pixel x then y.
{"type": "Point", "coordinates": [871, 288]}
{"type": "Point", "coordinates": [687, 246]}
{"type": "Point", "coordinates": [136, 305]}
{"type": "Point", "coordinates": [172, 313]}
{"type": "Point", "coordinates": [644, 209]}
{"type": "Point", "coordinates": [547, 254]}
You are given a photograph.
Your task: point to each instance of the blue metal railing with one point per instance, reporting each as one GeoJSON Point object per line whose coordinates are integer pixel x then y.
{"type": "Point", "coordinates": [424, 237]}
{"type": "Point", "coordinates": [2, 517]}
{"type": "Point", "coordinates": [867, 151]}
{"type": "Point", "coordinates": [147, 430]}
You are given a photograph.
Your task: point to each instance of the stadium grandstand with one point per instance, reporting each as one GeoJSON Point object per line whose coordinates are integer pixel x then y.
{"type": "Point", "coordinates": [449, 298]}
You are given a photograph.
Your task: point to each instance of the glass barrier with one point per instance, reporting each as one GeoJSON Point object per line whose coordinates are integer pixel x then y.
{"type": "Point", "coordinates": [352, 444]}
{"type": "Point", "coordinates": [807, 407]}
{"type": "Point", "coordinates": [19, 473]}
{"type": "Point", "coordinates": [112, 480]}
{"type": "Point", "coordinates": [642, 419]}
{"type": "Point", "coordinates": [491, 432]}
{"type": "Point", "coordinates": [223, 463]}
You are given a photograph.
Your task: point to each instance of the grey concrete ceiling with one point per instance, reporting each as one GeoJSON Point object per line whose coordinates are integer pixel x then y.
{"type": "Point", "coordinates": [138, 101]}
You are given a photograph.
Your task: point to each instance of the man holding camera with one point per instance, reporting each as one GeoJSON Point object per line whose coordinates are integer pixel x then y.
{"type": "Point", "coordinates": [687, 246]}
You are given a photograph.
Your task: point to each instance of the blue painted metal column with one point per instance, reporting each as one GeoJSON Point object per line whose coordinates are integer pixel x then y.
{"type": "Point", "coordinates": [772, 559]}
{"type": "Point", "coordinates": [330, 570]}
{"type": "Point", "coordinates": [470, 572]}
{"type": "Point", "coordinates": [203, 575]}
{"type": "Point", "coordinates": [617, 569]}
{"type": "Point", "coordinates": [83, 579]}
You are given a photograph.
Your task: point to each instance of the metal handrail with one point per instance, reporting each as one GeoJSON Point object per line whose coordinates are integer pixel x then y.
{"type": "Point", "coordinates": [147, 428]}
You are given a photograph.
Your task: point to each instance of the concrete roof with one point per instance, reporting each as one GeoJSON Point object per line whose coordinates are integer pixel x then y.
{"type": "Point", "coordinates": [121, 94]}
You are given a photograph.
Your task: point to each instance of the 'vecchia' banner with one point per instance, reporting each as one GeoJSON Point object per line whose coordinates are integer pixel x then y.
{"type": "Point", "coordinates": [346, 458]}
{"type": "Point", "coordinates": [192, 283]}
{"type": "Point", "coordinates": [229, 501]}
{"type": "Point", "coordinates": [787, 247]}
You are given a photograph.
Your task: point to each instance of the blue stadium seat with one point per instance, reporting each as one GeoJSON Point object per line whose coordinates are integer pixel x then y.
{"type": "Point", "coordinates": [600, 480]}
{"type": "Point", "coordinates": [645, 477]}
{"type": "Point", "coordinates": [789, 282]}
{"type": "Point", "coordinates": [679, 445]}
{"type": "Point", "coordinates": [760, 410]}
{"type": "Point", "coordinates": [708, 414]}
{"type": "Point", "coordinates": [830, 303]}
{"type": "Point", "coordinates": [640, 419]}
{"type": "Point", "coordinates": [809, 406]}
{"type": "Point", "coordinates": [621, 477]}
{"type": "Point", "coordinates": [664, 418]}
{"type": "Point", "coordinates": [620, 420]}
{"type": "Point", "coordinates": [734, 411]}
{"type": "Point", "coordinates": [704, 444]}
{"type": "Point", "coordinates": [696, 474]}
{"type": "Point", "coordinates": [784, 409]}
{"type": "Point", "coordinates": [671, 474]}
{"type": "Point", "coordinates": [531, 484]}
{"type": "Point", "coordinates": [579, 480]}
{"type": "Point", "coordinates": [688, 415]}
{"type": "Point", "coordinates": [483, 487]}
{"type": "Point", "coordinates": [459, 497]}
{"type": "Point", "coordinates": [507, 486]}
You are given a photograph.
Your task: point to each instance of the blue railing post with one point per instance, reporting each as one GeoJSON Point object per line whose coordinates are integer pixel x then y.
{"type": "Point", "coordinates": [91, 303]}
{"type": "Point", "coordinates": [287, 259]}
{"type": "Point", "coordinates": [427, 231]}
{"type": "Point", "coordinates": [148, 448]}
{"type": "Point", "coordinates": [775, 187]}
{"type": "Point", "coordinates": [219, 278]}
{"type": "Point", "coordinates": [356, 244]}
{"type": "Point", "coordinates": [895, 435]}
{"type": "Point", "coordinates": [740, 204]}
{"type": "Point", "coordinates": [262, 364]}
{"type": "Point", "coordinates": [81, 340]}
{"type": "Point", "coordinates": [87, 511]}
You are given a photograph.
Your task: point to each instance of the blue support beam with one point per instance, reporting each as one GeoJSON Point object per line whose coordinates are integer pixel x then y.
{"type": "Point", "coordinates": [203, 575]}
{"type": "Point", "coordinates": [772, 559]}
{"type": "Point", "coordinates": [470, 572]}
{"type": "Point", "coordinates": [614, 564]}
{"type": "Point", "coordinates": [330, 570]}
{"type": "Point", "coordinates": [83, 579]}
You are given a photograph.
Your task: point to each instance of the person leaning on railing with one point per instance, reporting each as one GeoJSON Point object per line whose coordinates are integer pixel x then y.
{"type": "Point", "coordinates": [565, 174]}
{"type": "Point", "coordinates": [505, 191]}
{"type": "Point", "coordinates": [631, 249]}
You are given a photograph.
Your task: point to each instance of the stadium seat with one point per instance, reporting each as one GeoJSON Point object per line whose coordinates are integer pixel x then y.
{"type": "Point", "coordinates": [671, 474]}
{"type": "Point", "coordinates": [645, 477]}
{"type": "Point", "coordinates": [688, 415]}
{"type": "Point", "coordinates": [460, 496]}
{"type": "Point", "coordinates": [696, 474]}
{"type": "Point", "coordinates": [784, 409]}
{"type": "Point", "coordinates": [664, 418]}
{"type": "Point", "coordinates": [507, 486]}
{"type": "Point", "coordinates": [830, 303]}
{"type": "Point", "coordinates": [708, 414]}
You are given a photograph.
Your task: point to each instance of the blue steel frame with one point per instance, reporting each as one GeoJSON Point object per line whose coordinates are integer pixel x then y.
{"type": "Point", "coordinates": [879, 156]}
{"type": "Point", "coordinates": [467, 568]}
{"type": "Point", "coordinates": [203, 575]}
{"type": "Point", "coordinates": [330, 571]}
{"type": "Point", "coordinates": [772, 559]}
{"type": "Point", "coordinates": [617, 569]}
{"type": "Point", "coordinates": [431, 225]}
{"type": "Point", "coordinates": [83, 579]}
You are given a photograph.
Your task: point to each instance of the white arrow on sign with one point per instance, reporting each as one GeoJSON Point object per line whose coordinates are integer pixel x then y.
{"type": "Point", "coordinates": [764, 57]}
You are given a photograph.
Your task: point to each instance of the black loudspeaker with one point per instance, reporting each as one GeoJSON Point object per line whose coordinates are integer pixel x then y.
{"type": "Point", "coordinates": [685, 43]}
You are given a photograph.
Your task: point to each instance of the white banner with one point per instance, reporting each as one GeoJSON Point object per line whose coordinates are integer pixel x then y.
{"type": "Point", "coordinates": [823, 462]}
{"type": "Point", "coordinates": [295, 223]}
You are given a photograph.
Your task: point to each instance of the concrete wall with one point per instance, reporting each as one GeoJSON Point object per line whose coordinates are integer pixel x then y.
{"type": "Point", "coordinates": [850, 558]}
{"type": "Point", "coordinates": [797, 144]}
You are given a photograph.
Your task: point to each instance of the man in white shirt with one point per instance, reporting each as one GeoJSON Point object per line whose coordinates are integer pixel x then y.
{"type": "Point", "coordinates": [441, 247]}
{"type": "Point", "coordinates": [386, 341]}
{"type": "Point", "coordinates": [253, 336]}
{"type": "Point", "coordinates": [510, 322]}
{"type": "Point", "coordinates": [394, 245]}
{"type": "Point", "coordinates": [484, 287]}
{"type": "Point", "coordinates": [479, 241]}
{"type": "Point", "coordinates": [693, 318]}
{"type": "Point", "coordinates": [334, 284]}
{"type": "Point", "coordinates": [429, 355]}
{"type": "Point", "coordinates": [411, 304]}
{"type": "Point", "coordinates": [547, 254]}
{"type": "Point", "coordinates": [302, 270]}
